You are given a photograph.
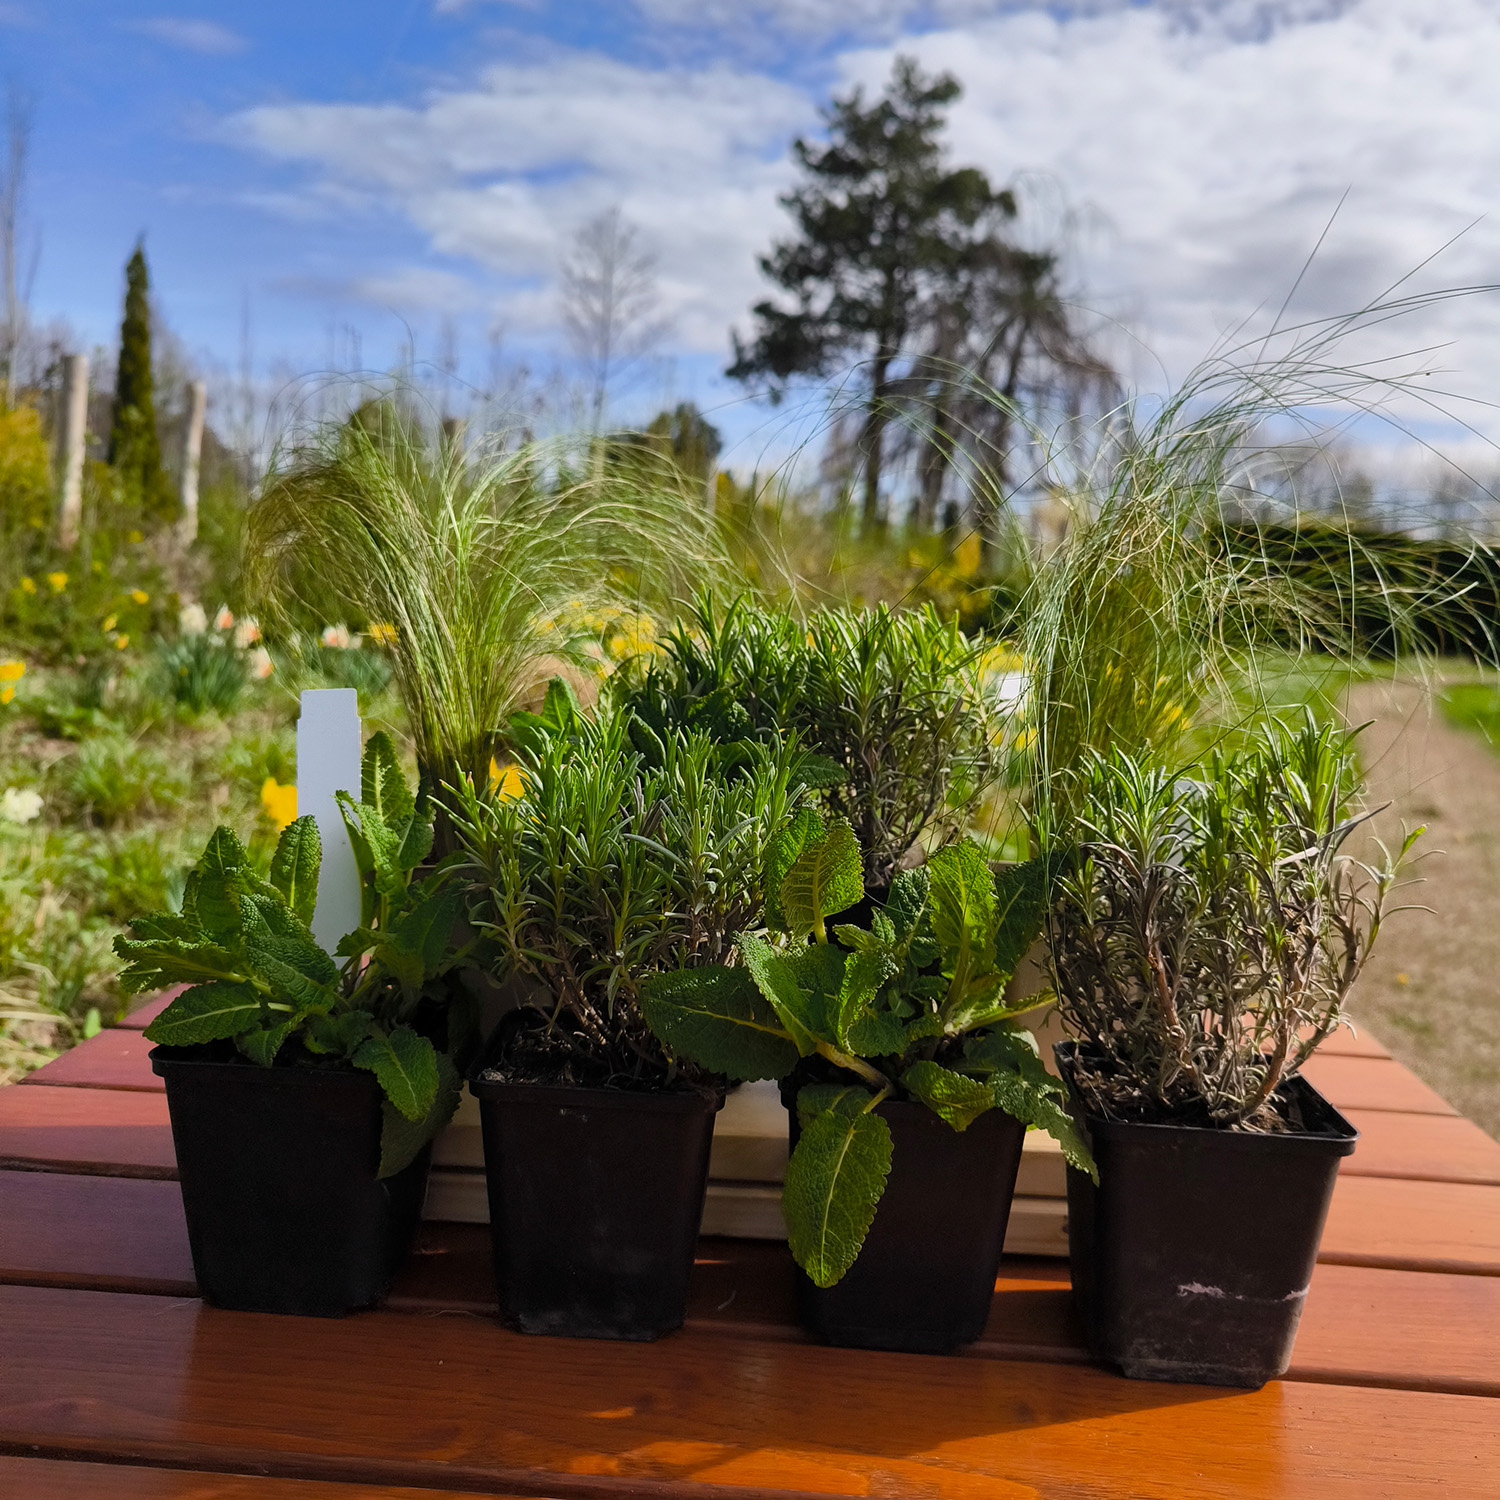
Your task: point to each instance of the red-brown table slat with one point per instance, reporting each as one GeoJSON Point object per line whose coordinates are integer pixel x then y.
{"type": "Point", "coordinates": [105, 1233]}
{"type": "Point", "coordinates": [64, 1479]}
{"type": "Point", "coordinates": [1433, 1148]}
{"type": "Point", "coordinates": [1373, 1083]}
{"type": "Point", "coordinates": [111, 1132]}
{"type": "Point", "coordinates": [695, 1415]}
{"type": "Point", "coordinates": [1418, 1226]}
{"type": "Point", "coordinates": [115, 1059]}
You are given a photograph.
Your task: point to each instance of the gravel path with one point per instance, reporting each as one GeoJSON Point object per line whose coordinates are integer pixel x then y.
{"type": "Point", "coordinates": [1431, 990]}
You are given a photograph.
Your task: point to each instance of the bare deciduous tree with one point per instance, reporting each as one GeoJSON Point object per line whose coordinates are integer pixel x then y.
{"type": "Point", "coordinates": [610, 303]}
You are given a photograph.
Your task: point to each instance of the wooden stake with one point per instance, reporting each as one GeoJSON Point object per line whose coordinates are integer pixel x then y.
{"type": "Point", "coordinates": [192, 455]}
{"type": "Point", "coordinates": [72, 436]}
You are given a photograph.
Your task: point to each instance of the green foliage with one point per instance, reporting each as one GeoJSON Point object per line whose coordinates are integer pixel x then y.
{"type": "Point", "coordinates": [134, 447]}
{"type": "Point", "coordinates": [911, 1005]}
{"type": "Point", "coordinates": [1473, 705]}
{"type": "Point", "coordinates": [1207, 928]}
{"type": "Point", "coordinates": [112, 779]}
{"type": "Point", "coordinates": [891, 701]}
{"type": "Point", "coordinates": [483, 566]}
{"type": "Point", "coordinates": [834, 1182]}
{"type": "Point", "coordinates": [884, 226]}
{"type": "Point", "coordinates": [203, 671]}
{"type": "Point", "coordinates": [619, 854]}
{"type": "Point", "coordinates": [258, 977]}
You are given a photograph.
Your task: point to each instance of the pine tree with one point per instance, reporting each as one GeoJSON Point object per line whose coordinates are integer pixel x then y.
{"type": "Point", "coordinates": [134, 447]}
{"type": "Point", "coordinates": [883, 225]}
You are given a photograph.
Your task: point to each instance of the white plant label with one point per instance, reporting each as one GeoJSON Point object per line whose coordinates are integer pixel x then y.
{"type": "Point", "coordinates": [329, 743]}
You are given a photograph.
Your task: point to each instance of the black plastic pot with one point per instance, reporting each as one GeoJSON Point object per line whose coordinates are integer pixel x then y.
{"type": "Point", "coordinates": [285, 1212]}
{"type": "Point", "coordinates": [1191, 1259]}
{"type": "Point", "coordinates": [595, 1200]}
{"type": "Point", "coordinates": [925, 1276]}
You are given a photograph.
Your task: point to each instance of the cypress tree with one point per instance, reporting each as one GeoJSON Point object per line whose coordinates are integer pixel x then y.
{"type": "Point", "coordinates": [134, 447]}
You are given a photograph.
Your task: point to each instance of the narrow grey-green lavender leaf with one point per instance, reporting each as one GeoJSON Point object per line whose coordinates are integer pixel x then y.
{"type": "Point", "coordinates": [952, 1097]}
{"type": "Point", "coordinates": [405, 1065]}
{"type": "Point", "coordinates": [797, 1011]}
{"type": "Point", "coordinates": [827, 877]}
{"type": "Point", "coordinates": [834, 1181]}
{"type": "Point", "coordinates": [207, 1013]}
{"type": "Point", "coordinates": [718, 1017]}
{"type": "Point", "coordinates": [294, 866]}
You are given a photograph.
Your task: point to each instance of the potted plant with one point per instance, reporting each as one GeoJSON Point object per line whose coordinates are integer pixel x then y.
{"type": "Point", "coordinates": [304, 1093]}
{"type": "Point", "coordinates": [597, 860]}
{"type": "Point", "coordinates": [908, 1084]}
{"type": "Point", "coordinates": [1205, 935]}
{"type": "Point", "coordinates": [892, 703]}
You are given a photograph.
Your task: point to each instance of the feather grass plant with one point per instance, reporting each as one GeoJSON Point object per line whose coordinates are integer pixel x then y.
{"type": "Point", "coordinates": [481, 569]}
{"type": "Point", "coordinates": [1145, 630]}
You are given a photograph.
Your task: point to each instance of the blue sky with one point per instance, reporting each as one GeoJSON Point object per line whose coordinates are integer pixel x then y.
{"type": "Point", "coordinates": [389, 164]}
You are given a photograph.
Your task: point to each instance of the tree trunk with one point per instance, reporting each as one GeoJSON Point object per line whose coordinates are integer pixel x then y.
{"type": "Point", "coordinates": [996, 494]}
{"type": "Point", "coordinates": [872, 445]}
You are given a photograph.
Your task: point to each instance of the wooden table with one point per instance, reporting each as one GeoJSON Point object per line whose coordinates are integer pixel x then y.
{"type": "Point", "coordinates": [116, 1382]}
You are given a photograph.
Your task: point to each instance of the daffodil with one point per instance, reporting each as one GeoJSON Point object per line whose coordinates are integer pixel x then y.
{"type": "Point", "coordinates": [381, 633]}
{"type": "Point", "coordinates": [280, 802]}
{"type": "Point", "coordinates": [121, 642]}
{"type": "Point", "coordinates": [59, 582]}
{"type": "Point", "coordinates": [506, 782]}
{"type": "Point", "coordinates": [28, 586]}
{"type": "Point", "coordinates": [140, 596]}
{"type": "Point", "coordinates": [109, 624]}
{"type": "Point", "coordinates": [224, 620]}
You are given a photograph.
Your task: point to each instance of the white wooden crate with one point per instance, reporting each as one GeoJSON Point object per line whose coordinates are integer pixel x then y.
{"type": "Point", "coordinates": [745, 1172]}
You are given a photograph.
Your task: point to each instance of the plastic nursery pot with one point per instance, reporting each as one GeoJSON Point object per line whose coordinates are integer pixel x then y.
{"type": "Point", "coordinates": [1191, 1259]}
{"type": "Point", "coordinates": [285, 1212]}
{"type": "Point", "coordinates": [595, 1196]}
{"type": "Point", "coordinates": [925, 1276]}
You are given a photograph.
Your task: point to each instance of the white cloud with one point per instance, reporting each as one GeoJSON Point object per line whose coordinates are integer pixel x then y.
{"type": "Point", "coordinates": [1215, 137]}
{"type": "Point", "coordinates": [191, 35]}
{"type": "Point", "coordinates": [503, 172]}
{"type": "Point", "coordinates": [1218, 152]}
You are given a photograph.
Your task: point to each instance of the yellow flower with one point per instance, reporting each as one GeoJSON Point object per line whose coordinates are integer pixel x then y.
{"type": "Point", "coordinates": [134, 536]}
{"type": "Point", "coordinates": [109, 623]}
{"type": "Point", "coordinates": [140, 596]}
{"type": "Point", "coordinates": [507, 782]}
{"type": "Point", "coordinates": [12, 671]}
{"type": "Point", "coordinates": [280, 802]}
{"type": "Point", "coordinates": [7, 693]}
{"type": "Point", "coordinates": [59, 582]}
{"type": "Point", "coordinates": [28, 586]}
{"type": "Point", "coordinates": [121, 642]}
{"type": "Point", "coordinates": [382, 633]}
{"type": "Point", "coordinates": [1027, 738]}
